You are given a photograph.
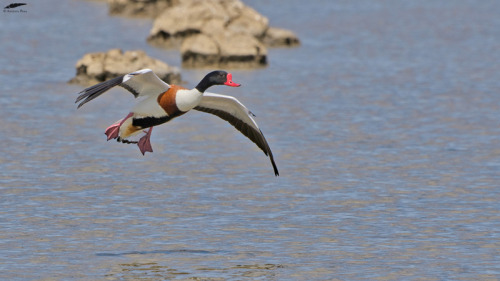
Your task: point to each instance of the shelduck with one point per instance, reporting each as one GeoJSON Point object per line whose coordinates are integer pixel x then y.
{"type": "Point", "coordinates": [162, 102]}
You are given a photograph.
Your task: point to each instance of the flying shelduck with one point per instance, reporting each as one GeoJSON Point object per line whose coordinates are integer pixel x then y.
{"type": "Point", "coordinates": [163, 102]}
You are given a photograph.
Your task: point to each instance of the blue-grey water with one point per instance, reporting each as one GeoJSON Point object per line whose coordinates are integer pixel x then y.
{"type": "Point", "coordinates": [385, 125]}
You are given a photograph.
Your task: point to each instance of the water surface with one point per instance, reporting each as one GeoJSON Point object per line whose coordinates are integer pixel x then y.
{"type": "Point", "coordinates": [384, 124]}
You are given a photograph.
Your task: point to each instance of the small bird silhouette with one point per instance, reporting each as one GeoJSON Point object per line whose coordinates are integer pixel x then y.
{"type": "Point", "coordinates": [14, 5]}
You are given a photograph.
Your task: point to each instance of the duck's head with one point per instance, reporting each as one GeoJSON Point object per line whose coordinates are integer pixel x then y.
{"type": "Point", "coordinates": [218, 77]}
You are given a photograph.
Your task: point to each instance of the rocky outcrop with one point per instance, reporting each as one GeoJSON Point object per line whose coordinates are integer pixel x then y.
{"type": "Point", "coordinates": [218, 33]}
{"type": "Point", "coordinates": [193, 17]}
{"type": "Point", "coordinates": [190, 17]}
{"type": "Point", "coordinates": [139, 8]}
{"type": "Point", "coordinates": [97, 67]}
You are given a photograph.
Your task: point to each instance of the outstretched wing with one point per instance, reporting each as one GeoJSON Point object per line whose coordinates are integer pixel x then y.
{"type": "Point", "coordinates": [233, 111]}
{"type": "Point", "coordinates": [140, 83]}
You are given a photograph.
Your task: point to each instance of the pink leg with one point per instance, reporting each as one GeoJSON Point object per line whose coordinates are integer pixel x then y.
{"type": "Point", "coordinates": [114, 130]}
{"type": "Point", "coordinates": [145, 142]}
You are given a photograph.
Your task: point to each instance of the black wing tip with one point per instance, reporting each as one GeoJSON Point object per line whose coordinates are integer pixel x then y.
{"type": "Point", "coordinates": [93, 92]}
{"type": "Point", "coordinates": [276, 173]}
{"type": "Point", "coordinates": [81, 99]}
{"type": "Point", "coordinates": [80, 105]}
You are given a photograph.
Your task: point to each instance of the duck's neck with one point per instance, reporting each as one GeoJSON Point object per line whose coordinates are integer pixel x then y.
{"type": "Point", "coordinates": [203, 85]}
